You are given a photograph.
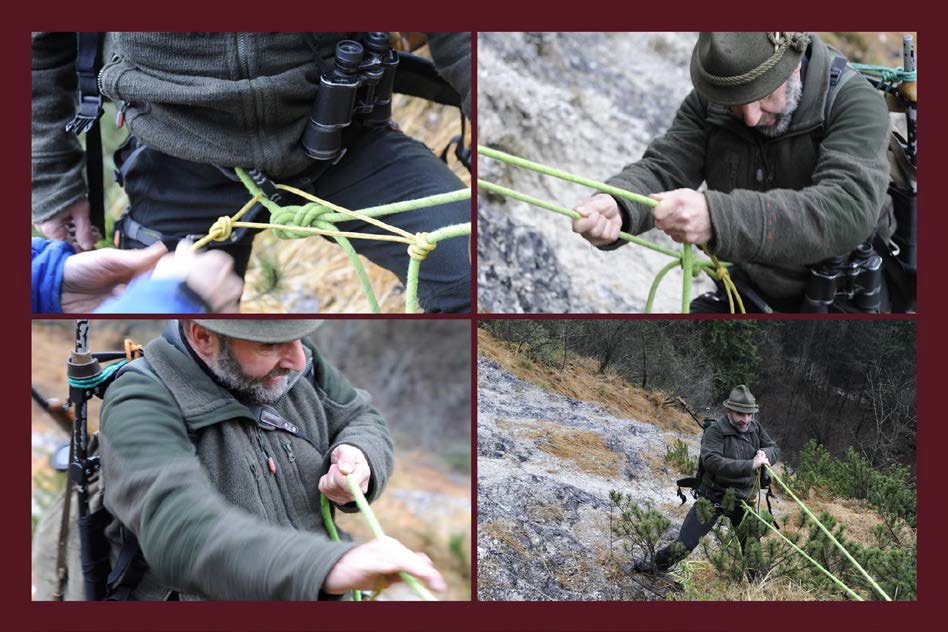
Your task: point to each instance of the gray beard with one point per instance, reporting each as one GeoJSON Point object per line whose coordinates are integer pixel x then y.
{"type": "Point", "coordinates": [244, 387]}
{"type": "Point", "coordinates": [784, 117]}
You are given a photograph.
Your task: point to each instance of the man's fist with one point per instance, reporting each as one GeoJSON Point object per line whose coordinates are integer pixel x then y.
{"type": "Point", "coordinates": [600, 221]}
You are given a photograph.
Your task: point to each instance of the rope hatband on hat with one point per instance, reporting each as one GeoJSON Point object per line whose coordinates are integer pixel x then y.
{"type": "Point", "coordinates": [781, 41]}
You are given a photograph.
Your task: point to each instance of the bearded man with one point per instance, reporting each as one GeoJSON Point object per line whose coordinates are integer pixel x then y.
{"type": "Point", "coordinates": [216, 448]}
{"type": "Point", "coordinates": [792, 146]}
{"type": "Point", "coordinates": [733, 449]}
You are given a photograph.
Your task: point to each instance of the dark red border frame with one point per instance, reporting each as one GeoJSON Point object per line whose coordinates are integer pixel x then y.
{"type": "Point", "coordinates": [480, 16]}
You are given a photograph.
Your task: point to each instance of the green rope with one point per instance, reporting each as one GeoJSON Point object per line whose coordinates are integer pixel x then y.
{"type": "Point", "coordinates": [369, 516]}
{"type": "Point", "coordinates": [819, 524]}
{"type": "Point", "coordinates": [716, 269]}
{"type": "Point", "coordinates": [333, 533]}
{"type": "Point", "coordinates": [886, 74]}
{"type": "Point", "coordinates": [849, 591]}
{"type": "Point", "coordinates": [318, 217]}
{"type": "Point", "coordinates": [95, 380]}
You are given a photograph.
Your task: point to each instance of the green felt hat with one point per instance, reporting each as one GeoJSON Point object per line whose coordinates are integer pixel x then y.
{"type": "Point", "coordinates": [739, 68]}
{"type": "Point", "coordinates": [271, 331]}
{"type": "Point", "coordinates": [741, 400]}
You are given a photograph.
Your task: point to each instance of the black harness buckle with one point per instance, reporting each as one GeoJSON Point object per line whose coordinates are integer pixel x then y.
{"type": "Point", "coordinates": [90, 109]}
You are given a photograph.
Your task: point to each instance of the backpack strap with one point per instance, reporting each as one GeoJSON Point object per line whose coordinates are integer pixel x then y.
{"type": "Point", "coordinates": [839, 74]}
{"type": "Point", "coordinates": [86, 121]}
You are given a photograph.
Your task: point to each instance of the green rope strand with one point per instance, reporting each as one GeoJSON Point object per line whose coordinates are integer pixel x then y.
{"type": "Point", "coordinates": [562, 175]}
{"type": "Point", "coordinates": [849, 591]}
{"type": "Point", "coordinates": [523, 197]}
{"type": "Point", "coordinates": [333, 533]}
{"type": "Point", "coordinates": [849, 557]}
{"type": "Point", "coordinates": [376, 530]}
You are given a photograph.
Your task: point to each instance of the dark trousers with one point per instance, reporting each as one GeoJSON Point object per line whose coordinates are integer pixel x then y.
{"type": "Point", "coordinates": [692, 530]}
{"type": "Point", "coordinates": [170, 198]}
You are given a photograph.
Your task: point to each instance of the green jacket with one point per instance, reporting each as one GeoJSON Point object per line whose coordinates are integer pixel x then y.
{"type": "Point", "coordinates": [184, 467]}
{"type": "Point", "coordinates": [229, 99]}
{"type": "Point", "coordinates": [727, 457]}
{"type": "Point", "coordinates": [777, 205]}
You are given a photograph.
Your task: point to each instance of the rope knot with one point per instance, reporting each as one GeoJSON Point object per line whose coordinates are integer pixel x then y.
{"type": "Point", "coordinates": [420, 247]}
{"type": "Point", "coordinates": [789, 39]}
{"type": "Point", "coordinates": [221, 229]}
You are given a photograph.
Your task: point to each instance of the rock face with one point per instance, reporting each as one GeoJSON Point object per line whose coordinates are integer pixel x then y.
{"type": "Point", "coordinates": [543, 515]}
{"type": "Point", "coordinates": [586, 103]}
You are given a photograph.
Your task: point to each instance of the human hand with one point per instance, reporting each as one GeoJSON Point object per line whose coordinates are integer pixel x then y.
{"type": "Point", "coordinates": [210, 274]}
{"type": "Point", "coordinates": [93, 276]}
{"type": "Point", "coordinates": [600, 221]}
{"type": "Point", "coordinates": [73, 226]}
{"type": "Point", "coordinates": [376, 564]}
{"type": "Point", "coordinates": [683, 215]}
{"type": "Point", "coordinates": [345, 459]}
{"type": "Point", "coordinates": [760, 459]}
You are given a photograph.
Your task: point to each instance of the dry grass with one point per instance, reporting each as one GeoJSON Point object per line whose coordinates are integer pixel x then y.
{"type": "Point", "coordinates": [584, 448]}
{"type": "Point", "coordinates": [504, 532]}
{"type": "Point", "coordinates": [579, 380]}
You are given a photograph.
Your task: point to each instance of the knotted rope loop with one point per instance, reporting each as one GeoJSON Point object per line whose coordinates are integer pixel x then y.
{"type": "Point", "coordinates": [304, 216]}
{"type": "Point", "coordinates": [419, 248]}
{"type": "Point", "coordinates": [221, 229]}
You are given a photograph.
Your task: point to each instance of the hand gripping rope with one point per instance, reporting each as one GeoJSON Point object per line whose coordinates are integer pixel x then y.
{"type": "Point", "coordinates": [684, 258]}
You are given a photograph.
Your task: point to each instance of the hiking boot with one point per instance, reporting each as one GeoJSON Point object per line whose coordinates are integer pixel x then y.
{"type": "Point", "coordinates": [643, 566]}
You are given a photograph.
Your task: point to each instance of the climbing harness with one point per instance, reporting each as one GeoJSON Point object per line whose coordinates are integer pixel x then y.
{"type": "Point", "coordinates": [318, 217]}
{"type": "Point", "coordinates": [684, 258]}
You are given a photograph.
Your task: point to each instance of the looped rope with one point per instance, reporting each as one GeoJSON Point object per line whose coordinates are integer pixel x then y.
{"type": "Point", "coordinates": [781, 41]}
{"type": "Point", "coordinates": [221, 229]}
{"type": "Point", "coordinates": [303, 216]}
{"type": "Point", "coordinates": [419, 248]}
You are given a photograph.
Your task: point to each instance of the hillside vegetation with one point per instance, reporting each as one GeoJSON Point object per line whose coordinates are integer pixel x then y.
{"type": "Point", "coordinates": [576, 477]}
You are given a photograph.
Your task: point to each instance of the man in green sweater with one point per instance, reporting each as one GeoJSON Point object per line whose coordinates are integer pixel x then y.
{"type": "Point", "coordinates": [790, 181]}
{"type": "Point", "coordinates": [197, 105]}
{"type": "Point", "coordinates": [216, 447]}
{"type": "Point", "coordinates": [733, 451]}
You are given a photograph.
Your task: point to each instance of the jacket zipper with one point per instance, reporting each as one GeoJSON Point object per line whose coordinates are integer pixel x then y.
{"type": "Point", "coordinates": [271, 465]}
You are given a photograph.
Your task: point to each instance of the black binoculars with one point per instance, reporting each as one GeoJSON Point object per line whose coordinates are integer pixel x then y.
{"type": "Point", "coordinates": [360, 84]}
{"type": "Point", "coordinates": [857, 278]}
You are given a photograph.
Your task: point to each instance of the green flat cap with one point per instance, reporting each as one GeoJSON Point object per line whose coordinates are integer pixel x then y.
{"type": "Point", "coordinates": [741, 400]}
{"type": "Point", "coordinates": [275, 330]}
{"type": "Point", "coordinates": [740, 68]}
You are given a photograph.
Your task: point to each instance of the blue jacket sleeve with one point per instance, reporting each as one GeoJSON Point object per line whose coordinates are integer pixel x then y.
{"type": "Point", "coordinates": [47, 259]}
{"type": "Point", "coordinates": [150, 296]}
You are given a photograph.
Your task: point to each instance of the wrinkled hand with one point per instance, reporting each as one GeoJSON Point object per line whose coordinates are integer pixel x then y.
{"type": "Point", "coordinates": [683, 215]}
{"type": "Point", "coordinates": [210, 274]}
{"type": "Point", "coordinates": [73, 226]}
{"type": "Point", "coordinates": [94, 276]}
{"type": "Point", "coordinates": [760, 459]}
{"type": "Point", "coordinates": [345, 459]}
{"type": "Point", "coordinates": [600, 221]}
{"type": "Point", "coordinates": [376, 564]}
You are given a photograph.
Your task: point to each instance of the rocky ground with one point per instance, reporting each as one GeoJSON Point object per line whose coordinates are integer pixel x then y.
{"type": "Point", "coordinates": [545, 466]}
{"type": "Point", "coordinates": [586, 103]}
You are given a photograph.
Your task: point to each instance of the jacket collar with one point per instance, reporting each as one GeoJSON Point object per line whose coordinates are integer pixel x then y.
{"type": "Point", "coordinates": [202, 400]}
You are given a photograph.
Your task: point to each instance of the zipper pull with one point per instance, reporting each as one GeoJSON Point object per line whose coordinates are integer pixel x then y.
{"type": "Point", "coordinates": [120, 115]}
{"type": "Point", "coordinates": [271, 464]}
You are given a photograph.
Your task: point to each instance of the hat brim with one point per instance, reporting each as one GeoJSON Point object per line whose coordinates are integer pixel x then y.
{"type": "Point", "coordinates": [271, 331]}
{"type": "Point", "coordinates": [749, 92]}
{"type": "Point", "coordinates": [741, 408]}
